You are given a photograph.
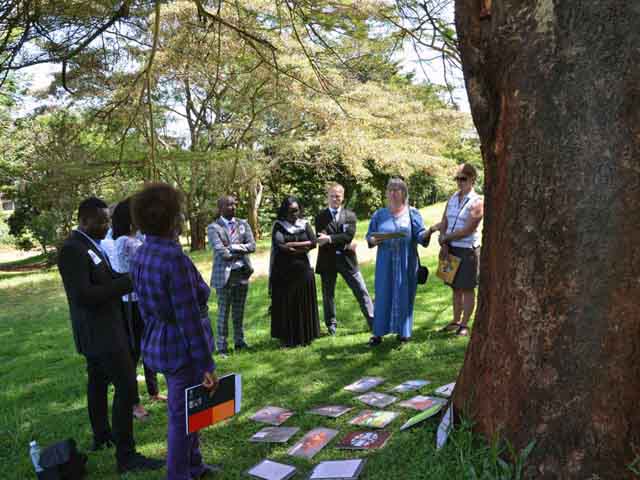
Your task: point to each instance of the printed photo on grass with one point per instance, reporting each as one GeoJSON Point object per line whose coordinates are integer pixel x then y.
{"type": "Point", "coordinates": [364, 384]}
{"type": "Point", "coordinates": [410, 386]}
{"type": "Point", "coordinates": [338, 470]}
{"type": "Point", "coordinates": [421, 403]}
{"type": "Point", "coordinates": [374, 418]}
{"type": "Point", "coordinates": [364, 440]}
{"type": "Point", "coordinates": [274, 434]}
{"type": "Point", "coordinates": [312, 442]}
{"type": "Point", "coordinates": [422, 416]}
{"type": "Point", "coordinates": [272, 415]}
{"type": "Point", "coordinates": [332, 411]}
{"type": "Point", "coordinates": [378, 400]}
{"type": "Point", "coordinates": [445, 390]}
{"type": "Point", "coordinates": [269, 470]}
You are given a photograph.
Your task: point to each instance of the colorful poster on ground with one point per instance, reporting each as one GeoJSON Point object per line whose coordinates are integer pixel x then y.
{"type": "Point", "coordinates": [364, 384]}
{"type": "Point", "coordinates": [312, 442]}
{"type": "Point", "coordinates": [378, 400]}
{"type": "Point", "coordinates": [272, 415]}
{"type": "Point", "coordinates": [409, 386]}
{"type": "Point", "coordinates": [422, 416]}
{"type": "Point", "coordinates": [364, 440]}
{"type": "Point", "coordinates": [338, 470]}
{"type": "Point", "coordinates": [274, 434]}
{"type": "Point", "coordinates": [332, 411]}
{"type": "Point", "coordinates": [269, 470]}
{"type": "Point", "coordinates": [421, 403]}
{"type": "Point", "coordinates": [374, 418]}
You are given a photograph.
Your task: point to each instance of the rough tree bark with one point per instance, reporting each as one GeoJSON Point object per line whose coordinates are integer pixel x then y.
{"type": "Point", "coordinates": [554, 88]}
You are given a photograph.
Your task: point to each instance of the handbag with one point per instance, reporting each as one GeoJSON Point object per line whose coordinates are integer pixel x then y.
{"type": "Point", "coordinates": [423, 272]}
{"type": "Point", "coordinates": [63, 461]}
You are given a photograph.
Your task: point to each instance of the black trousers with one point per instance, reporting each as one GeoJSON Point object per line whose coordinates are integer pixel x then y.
{"type": "Point", "coordinates": [116, 368]}
{"type": "Point", "coordinates": [135, 330]}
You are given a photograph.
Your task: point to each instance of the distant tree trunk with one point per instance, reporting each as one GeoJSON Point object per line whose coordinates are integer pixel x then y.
{"type": "Point", "coordinates": [255, 199]}
{"type": "Point", "coordinates": [198, 224]}
{"type": "Point", "coordinates": [554, 89]}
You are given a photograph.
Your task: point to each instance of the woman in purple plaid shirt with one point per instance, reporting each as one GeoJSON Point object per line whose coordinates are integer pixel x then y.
{"type": "Point", "coordinates": [177, 339]}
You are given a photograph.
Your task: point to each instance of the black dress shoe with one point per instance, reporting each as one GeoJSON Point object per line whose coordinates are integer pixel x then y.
{"type": "Point", "coordinates": [375, 341]}
{"type": "Point", "coordinates": [98, 445]}
{"type": "Point", "coordinates": [242, 346]}
{"type": "Point", "coordinates": [137, 463]}
{"type": "Point", "coordinates": [210, 471]}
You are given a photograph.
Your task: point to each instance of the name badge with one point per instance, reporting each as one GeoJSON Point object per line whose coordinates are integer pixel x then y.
{"type": "Point", "coordinates": [96, 259]}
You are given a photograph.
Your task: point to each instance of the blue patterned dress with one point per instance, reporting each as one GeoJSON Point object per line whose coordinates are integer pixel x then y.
{"type": "Point", "coordinates": [396, 271]}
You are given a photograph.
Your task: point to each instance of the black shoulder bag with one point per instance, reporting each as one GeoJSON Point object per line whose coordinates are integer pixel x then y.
{"type": "Point", "coordinates": [423, 272]}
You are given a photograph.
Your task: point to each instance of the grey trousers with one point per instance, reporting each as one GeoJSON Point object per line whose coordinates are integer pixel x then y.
{"type": "Point", "coordinates": [231, 299]}
{"type": "Point", "coordinates": [356, 283]}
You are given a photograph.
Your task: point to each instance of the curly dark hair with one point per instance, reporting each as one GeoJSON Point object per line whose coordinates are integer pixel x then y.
{"type": "Point", "coordinates": [121, 219]}
{"type": "Point", "coordinates": [156, 210]}
{"type": "Point", "coordinates": [284, 207]}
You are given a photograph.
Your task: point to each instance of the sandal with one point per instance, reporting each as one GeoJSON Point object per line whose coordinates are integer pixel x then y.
{"type": "Point", "coordinates": [463, 331]}
{"type": "Point", "coordinates": [453, 326]}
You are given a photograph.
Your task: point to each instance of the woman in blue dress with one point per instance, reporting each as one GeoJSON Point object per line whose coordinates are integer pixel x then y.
{"type": "Point", "coordinates": [396, 263]}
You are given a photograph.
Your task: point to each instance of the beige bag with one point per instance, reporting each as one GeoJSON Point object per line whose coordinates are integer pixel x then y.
{"type": "Point", "coordinates": [448, 268]}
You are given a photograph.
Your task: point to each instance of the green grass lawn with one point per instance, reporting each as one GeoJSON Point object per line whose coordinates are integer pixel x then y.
{"type": "Point", "coordinates": [43, 386]}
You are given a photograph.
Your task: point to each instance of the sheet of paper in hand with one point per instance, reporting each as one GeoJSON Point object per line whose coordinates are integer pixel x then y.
{"type": "Point", "coordinates": [388, 235]}
{"type": "Point", "coordinates": [269, 470]}
{"type": "Point", "coordinates": [409, 386]}
{"type": "Point", "coordinates": [204, 409]}
{"type": "Point", "coordinates": [421, 403]}
{"type": "Point", "coordinates": [312, 442]}
{"type": "Point", "coordinates": [364, 384]}
{"type": "Point", "coordinates": [332, 411]}
{"type": "Point", "coordinates": [338, 470]}
{"type": "Point", "coordinates": [448, 268]}
{"type": "Point", "coordinates": [378, 400]}
{"type": "Point", "coordinates": [274, 434]}
{"type": "Point", "coordinates": [272, 415]}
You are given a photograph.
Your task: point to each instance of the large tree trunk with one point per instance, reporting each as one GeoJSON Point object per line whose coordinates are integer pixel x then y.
{"type": "Point", "coordinates": [554, 357]}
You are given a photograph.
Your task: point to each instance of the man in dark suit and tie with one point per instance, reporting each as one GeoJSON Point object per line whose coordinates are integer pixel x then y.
{"type": "Point", "coordinates": [93, 292]}
{"type": "Point", "coordinates": [336, 227]}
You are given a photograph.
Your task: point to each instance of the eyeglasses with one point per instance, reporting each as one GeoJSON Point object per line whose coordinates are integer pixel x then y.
{"type": "Point", "coordinates": [460, 179]}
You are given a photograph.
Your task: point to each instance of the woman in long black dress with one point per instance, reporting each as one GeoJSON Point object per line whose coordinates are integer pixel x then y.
{"type": "Point", "coordinates": [294, 308]}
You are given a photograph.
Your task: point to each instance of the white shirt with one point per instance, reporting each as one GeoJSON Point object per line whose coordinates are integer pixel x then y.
{"type": "Point", "coordinates": [458, 214]}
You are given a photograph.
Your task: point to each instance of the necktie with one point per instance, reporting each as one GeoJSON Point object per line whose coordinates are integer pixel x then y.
{"type": "Point", "coordinates": [334, 213]}
{"type": "Point", "coordinates": [232, 227]}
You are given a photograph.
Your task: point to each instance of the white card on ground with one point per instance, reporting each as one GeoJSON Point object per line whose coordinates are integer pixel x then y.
{"type": "Point", "coordinates": [268, 470]}
{"type": "Point", "coordinates": [444, 428]}
{"type": "Point", "coordinates": [337, 469]}
{"type": "Point", "coordinates": [446, 390]}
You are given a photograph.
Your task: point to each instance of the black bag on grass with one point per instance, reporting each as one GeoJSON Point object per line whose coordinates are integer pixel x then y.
{"type": "Point", "coordinates": [62, 461]}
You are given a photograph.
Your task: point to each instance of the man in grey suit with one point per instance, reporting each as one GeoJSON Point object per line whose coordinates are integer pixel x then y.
{"type": "Point", "coordinates": [336, 227]}
{"type": "Point", "coordinates": [231, 240]}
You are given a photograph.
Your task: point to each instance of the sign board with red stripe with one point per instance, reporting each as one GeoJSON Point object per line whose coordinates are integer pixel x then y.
{"type": "Point", "coordinates": [204, 409]}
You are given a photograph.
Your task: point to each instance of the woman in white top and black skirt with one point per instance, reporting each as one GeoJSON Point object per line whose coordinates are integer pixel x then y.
{"type": "Point", "coordinates": [459, 236]}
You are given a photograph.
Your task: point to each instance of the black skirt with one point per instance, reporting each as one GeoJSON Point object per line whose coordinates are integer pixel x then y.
{"type": "Point", "coordinates": [467, 274]}
{"type": "Point", "coordinates": [294, 309]}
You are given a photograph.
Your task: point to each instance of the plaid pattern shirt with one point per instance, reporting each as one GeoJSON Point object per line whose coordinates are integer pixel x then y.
{"type": "Point", "coordinates": [172, 298]}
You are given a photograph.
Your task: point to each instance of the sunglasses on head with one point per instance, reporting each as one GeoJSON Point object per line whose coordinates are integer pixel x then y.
{"type": "Point", "coordinates": [460, 179]}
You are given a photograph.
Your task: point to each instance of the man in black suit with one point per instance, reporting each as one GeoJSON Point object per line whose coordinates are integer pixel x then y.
{"type": "Point", "coordinates": [336, 227]}
{"type": "Point", "coordinates": [94, 291]}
